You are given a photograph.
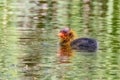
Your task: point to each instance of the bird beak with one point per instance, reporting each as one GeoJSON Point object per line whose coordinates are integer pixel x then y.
{"type": "Point", "coordinates": [61, 35]}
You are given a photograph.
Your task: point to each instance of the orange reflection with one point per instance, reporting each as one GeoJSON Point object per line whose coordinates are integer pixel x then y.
{"type": "Point", "coordinates": [64, 54]}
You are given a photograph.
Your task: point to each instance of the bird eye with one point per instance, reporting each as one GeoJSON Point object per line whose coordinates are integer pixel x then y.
{"type": "Point", "coordinates": [70, 34]}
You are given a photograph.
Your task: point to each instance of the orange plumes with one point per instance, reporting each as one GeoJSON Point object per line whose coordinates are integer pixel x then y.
{"type": "Point", "coordinates": [66, 35]}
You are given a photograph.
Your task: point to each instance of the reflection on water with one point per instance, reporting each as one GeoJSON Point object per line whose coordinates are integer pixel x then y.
{"type": "Point", "coordinates": [30, 51]}
{"type": "Point", "coordinates": [37, 53]}
{"type": "Point", "coordinates": [30, 57]}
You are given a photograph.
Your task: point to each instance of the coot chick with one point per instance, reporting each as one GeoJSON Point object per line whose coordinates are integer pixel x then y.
{"type": "Point", "coordinates": [80, 44]}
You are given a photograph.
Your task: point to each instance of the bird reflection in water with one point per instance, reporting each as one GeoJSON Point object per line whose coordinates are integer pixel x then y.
{"type": "Point", "coordinates": [65, 53]}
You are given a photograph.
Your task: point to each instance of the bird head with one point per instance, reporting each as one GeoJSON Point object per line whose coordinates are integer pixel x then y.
{"type": "Point", "coordinates": [66, 34]}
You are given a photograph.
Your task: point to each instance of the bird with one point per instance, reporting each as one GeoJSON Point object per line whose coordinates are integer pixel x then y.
{"type": "Point", "coordinates": [82, 44]}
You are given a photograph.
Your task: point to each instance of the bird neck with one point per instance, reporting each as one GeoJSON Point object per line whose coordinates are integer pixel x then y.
{"type": "Point", "coordinates": [65, 42]}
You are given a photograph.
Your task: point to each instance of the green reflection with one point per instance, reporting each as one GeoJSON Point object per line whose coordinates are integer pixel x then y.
{"type": "Point", "coordinates": [8, 42]}
{"type": "Point", "coordinates": [38, 41]}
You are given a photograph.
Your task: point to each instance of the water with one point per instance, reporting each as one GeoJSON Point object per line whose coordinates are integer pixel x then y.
{"type": "Point", "coordinates": [29, 41]}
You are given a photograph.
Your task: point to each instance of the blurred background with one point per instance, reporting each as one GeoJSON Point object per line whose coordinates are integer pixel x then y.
{"type": "Point", "coordinates": [29, 42]}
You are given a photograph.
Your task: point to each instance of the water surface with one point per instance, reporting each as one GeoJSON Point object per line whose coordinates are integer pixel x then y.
{"type": "Point", "coordinates": [29, 42]}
